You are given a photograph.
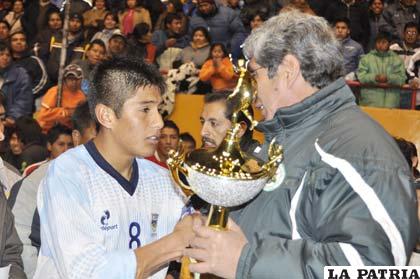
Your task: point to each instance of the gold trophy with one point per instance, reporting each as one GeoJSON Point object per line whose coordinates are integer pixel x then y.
{"type": "Point", "coordinates": [226, 176]}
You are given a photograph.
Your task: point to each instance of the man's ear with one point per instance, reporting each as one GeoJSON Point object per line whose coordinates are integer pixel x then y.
{"type": "Point", "coordinates": [290, 67]}
{"type": "Point", "coordinates": [105, 115]}
{"type": "Point", "coordinates": [242, 128]}
{"type": "Point", "coordinates": [77, 137]}
{"type": "Point", "coordinates": [49, 147]}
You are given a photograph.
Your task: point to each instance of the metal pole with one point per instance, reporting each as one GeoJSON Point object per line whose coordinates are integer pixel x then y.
{"type": "Point", "coordinates": [63, 53]}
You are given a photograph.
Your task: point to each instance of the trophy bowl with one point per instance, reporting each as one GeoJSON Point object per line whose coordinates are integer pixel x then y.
{"type": "Point", "coordinates": [224, 191]}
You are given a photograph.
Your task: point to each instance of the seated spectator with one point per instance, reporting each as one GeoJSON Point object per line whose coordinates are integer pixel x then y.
{"type": "Point", "coordinates": [169, 42]}
{"type": "Point", "coordinates": [93, 19]}
{"type": "Point", "coordinates": [75, 48]}
{"type": "Point", "coordinates": [10, 246]}
{"type": "Point", "coordinates": [133, 15]}
{"type": "Point", "coordinates": [4, 31]}
{"type": "Point", "coordinates": [381, 67]}
{"type": "Point", "coordinates": [300, 5]}
{"type": "Point", "coordinates": [14, 16]}
{"type": "Point", "coordinates": [26, 144]}
{"type": "Point", "coordinates": [140, 43]}
{"type": "Point", "coordinates": [254, 20]}
{"type": "Point", "coordinates": [33, 19]}
{"type": "Point", "coordinates": [5, 8]}
{"type": "Point", "coordinates": [169, 139]}
{"type": "Point", "coordinates": [357, 13]}
{"type": "Point", "coordinates": [408, 48]}
{"type": "Point", "coordinates": [23, 197]}
{"type": "Point", "coordinates": [79, 6]}
{"type": "Point", "coordinates": [16, 87]}
{"type": "Point", "coordinates": [376, 20]}
{"type": "Point", "coordinates": [409, 51]}
{"type": "Point", "coordinates": [30, 134]}
{"type": "Point", "coordinates": [351, 50]}
{"type": "Point", "coordinates": [117, 45]}
{"type": "Point", "coordinates": [218, 69]}
{"type": "Point", "coordinates": [223, 24]}
{"type": "Point", "coordinates": [397, 15]}
{"type": "Point", "coordinates": [84, 127]}
{"type": "Point", "coordinates": [9, 175]}
{"type": "Point", "coordinates": [13, 154]}
{"type": "Point", "coordinates": [199, 49]}
{"type": "Point", "coordinates": [34, 66]}
{"type": "Point", "coordinates": [173, 6]}
{"type": "Point", "coordinates": [43, 38]}
{"type": "Point", "coordinates": [72, 94]}
{"type": "Point", "coordinates": [95, 53]}
{"type": "Point", "coordinates": [110, 28]}
{"type": "Point", "coordinates": [188, 142]}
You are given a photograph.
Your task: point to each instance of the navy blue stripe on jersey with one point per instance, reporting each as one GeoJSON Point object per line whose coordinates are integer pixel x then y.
{"type": "Point", "coordinates": [129, 186]}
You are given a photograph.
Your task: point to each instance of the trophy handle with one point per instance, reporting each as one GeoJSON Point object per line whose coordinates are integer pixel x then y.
{"type": "Point", "coordinates": [184, 187]}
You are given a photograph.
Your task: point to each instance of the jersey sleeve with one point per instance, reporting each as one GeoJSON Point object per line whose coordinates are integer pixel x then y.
{"type": "Point", "coordinates": [69, 235]}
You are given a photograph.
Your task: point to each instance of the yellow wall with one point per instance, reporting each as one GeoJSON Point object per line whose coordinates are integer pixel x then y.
{"type": "Point", "coordinates": [400, 123]}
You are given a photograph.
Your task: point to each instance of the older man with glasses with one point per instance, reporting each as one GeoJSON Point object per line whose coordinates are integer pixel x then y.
{"type": "Point", "coordinates": [335, 202]}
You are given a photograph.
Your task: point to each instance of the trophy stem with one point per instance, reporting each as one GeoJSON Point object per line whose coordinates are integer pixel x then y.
{"type": "Point", "coordinates": [218, 217]}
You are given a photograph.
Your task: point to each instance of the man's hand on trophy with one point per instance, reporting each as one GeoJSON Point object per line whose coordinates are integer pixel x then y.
{"type": "Point", "coordinates": [217, 252]}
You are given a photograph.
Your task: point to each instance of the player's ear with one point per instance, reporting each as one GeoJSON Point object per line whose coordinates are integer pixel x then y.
{"type": "Point", "coordinates": [77, 137]}
{"type": "Point", "coordinates": [105, 115]}
{"type": "Point", "coordinates": [242, 129]}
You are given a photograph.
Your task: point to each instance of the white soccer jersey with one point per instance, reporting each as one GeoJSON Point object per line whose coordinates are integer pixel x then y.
{"type": "Point", "coordinates": [92, 217]}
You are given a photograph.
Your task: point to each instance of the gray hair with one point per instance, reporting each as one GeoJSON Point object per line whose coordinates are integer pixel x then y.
{"type": "Point", "coordinates": [309, 38]}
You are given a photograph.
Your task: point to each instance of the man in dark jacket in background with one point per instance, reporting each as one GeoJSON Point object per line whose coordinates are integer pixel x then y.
{"type": "Point", "coordinates": [333, 200]}
{"type": "Point", "coordinates": [33, 65]}
{"type": "Point", "coordinates": [16, 86]}
{"type": "Point", "coordinates": [357, 12]}
{"type": "Point", "coordinates": [10, 244]}
{"type": "Point", "coordinates": [397, 15]}
{"type": "Point", "coordinates": [223, 24]}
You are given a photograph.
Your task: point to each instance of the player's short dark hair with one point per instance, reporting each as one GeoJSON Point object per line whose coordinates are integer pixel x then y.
{"type": "Point", "coordinates": [97, 42]}
{"type": "Point", "coordinates": [116, 80]}
{"type": "Point", "coordinates": [342, 20]}
{"type": "Point", "coordinates": [411, 25]}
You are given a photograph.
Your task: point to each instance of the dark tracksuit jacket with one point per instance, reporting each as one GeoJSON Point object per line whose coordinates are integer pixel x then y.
{"type": "Point", "coordinates": [347, 195]}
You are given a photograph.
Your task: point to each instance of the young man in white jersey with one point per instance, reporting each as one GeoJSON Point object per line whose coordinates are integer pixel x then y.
{"type": "Point", "coordinates": [104, 212]}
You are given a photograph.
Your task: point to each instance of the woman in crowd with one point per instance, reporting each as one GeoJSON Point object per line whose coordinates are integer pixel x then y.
{"type": "Point", "coordinates": [132, 16]}
{"type": "Point", "coordinates": [218, 69]}
{"type": "Point", "coordinates": [14, 17]}
{"type": "Point", "coordinates": [110, 28]}
{"type": "Point", "coordinates": [93, 19]}
{"type": "Point", "coordinates": [199, 49]}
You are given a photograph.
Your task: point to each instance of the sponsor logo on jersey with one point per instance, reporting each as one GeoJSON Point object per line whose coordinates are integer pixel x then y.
{"type": "Point", "coordinates": [105, 220]}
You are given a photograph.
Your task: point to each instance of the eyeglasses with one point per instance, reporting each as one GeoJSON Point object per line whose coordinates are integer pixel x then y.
{"type": "Point", "coordinates": [253, 73]}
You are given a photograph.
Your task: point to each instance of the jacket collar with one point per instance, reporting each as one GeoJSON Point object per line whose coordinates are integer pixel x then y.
{"type": "Point", "coordinates": [335, 96]}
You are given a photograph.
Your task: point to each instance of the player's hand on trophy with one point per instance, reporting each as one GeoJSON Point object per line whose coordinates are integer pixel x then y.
{"type": "Point", "coordinates": [217, 252]}
{"type": "Point", "coordinates": [185, 227]}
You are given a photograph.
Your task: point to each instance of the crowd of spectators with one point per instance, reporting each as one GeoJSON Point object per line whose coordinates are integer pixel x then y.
{"type": "Point", "coordinates": [379, 38]}
{"type": "Point", "coordinates": [174, 32]}
{"type": "Point", "coordinates": [380, 46]}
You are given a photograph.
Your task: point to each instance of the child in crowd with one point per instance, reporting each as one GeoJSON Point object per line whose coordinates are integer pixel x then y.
{"type": "Point", "coordinates": [218, 69]}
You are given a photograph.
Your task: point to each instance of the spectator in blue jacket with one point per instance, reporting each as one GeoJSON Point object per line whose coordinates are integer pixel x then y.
{"type": "Point", "coordinates": [16, 85]}
{"type": "Point", "coordinates": [223, 24]}
{"type": "Point", "coordinates": [350, 49]}
{"type": "Point", "coordinates": [169, 42]}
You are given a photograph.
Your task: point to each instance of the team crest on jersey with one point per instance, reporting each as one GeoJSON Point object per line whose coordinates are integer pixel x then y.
{"type": "Point", "coordinates": [105, 222]}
